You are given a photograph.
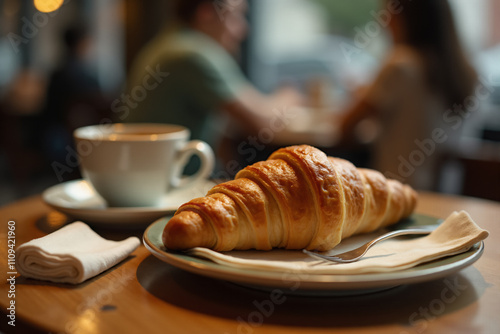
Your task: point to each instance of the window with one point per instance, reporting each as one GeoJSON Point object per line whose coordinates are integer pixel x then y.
{"type": "Point", "coordinates": [340, 44]}
{"type": "Point", "coordinates": [304, 42]}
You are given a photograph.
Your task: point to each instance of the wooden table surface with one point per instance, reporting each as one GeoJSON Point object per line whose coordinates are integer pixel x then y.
{"type": "Point", "coordinates": [145, 295]}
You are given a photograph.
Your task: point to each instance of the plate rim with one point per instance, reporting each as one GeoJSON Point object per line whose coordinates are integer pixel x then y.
{"type": "Point", "coordinates": [312, 282]}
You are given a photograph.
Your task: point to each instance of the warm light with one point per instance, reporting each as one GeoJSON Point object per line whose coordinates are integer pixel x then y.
{"type": "Point", "coordinates": [85, 322]}
{"type": "Point", "coordinates": [56, 220]}
{"type": "Point", "coordinates": [47, 6]}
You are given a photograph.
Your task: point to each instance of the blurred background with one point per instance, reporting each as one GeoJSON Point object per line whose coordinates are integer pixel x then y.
{"type": "Point", "coordinates": [299, 42]}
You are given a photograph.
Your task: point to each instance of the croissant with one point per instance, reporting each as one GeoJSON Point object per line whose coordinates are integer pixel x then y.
{"type": "Point", "coordinates": [298, 198]}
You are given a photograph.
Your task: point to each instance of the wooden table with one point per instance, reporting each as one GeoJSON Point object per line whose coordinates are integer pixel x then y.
{"type": "Point", "coordinates": [145, 295]}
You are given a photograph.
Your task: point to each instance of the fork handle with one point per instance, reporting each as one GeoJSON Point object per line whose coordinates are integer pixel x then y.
{"type": "Point", "coordinates": [398, 233]}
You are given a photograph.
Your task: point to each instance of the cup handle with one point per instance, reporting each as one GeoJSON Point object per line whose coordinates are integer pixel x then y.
{"type": "Point", "coordinates": [206, 154]}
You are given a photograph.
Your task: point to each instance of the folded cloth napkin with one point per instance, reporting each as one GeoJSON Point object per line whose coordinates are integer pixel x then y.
{"type": "Point", "coordinates": [457, 234]}
{"type": "Point", "coordinates": [71, 254]}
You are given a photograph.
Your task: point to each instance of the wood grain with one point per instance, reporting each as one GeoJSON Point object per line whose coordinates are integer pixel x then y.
{"type": "Point", "coordinates": [145, 295]}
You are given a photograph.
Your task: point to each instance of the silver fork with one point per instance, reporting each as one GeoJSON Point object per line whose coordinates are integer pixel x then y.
{"type": "Point", "coordinates": [356, 254]}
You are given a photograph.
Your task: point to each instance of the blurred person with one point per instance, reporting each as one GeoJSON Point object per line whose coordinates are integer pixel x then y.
{"type": "Point", "coordinates": [409, 112]}
{"type": "Point", "coordinates": [189, 76]}
{"type": "Point", "coordinates": [20, 129]}
{"type": "Point", "coordinates": [74, 97]}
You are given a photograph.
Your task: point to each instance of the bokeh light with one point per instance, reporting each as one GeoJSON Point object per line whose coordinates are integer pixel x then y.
{"type": "Point", "coordinates": [47, 6]}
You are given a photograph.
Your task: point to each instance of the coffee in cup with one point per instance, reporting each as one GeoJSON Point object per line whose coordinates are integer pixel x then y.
{"type": "Point", "coordinates": [135, 165]}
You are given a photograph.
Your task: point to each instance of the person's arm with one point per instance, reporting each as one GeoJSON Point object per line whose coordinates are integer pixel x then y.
{"type": "Point", "coordinates": [254, 110]}
{"type": "Point", "coordinates": [352, 117]}
{"type": "Point", "coordinates": [377, 99]}
{"type": "Point", "coordinates": [222, 85]}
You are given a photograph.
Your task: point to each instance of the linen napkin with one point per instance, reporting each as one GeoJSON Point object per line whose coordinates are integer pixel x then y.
{"type": "Point", "coordinates": [71, 254]}
{"type": "Point", "coordinates": [457, 234]}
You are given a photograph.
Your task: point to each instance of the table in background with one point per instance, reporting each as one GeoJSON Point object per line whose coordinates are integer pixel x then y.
{"type": "Point", "coordinates": [145, 295]}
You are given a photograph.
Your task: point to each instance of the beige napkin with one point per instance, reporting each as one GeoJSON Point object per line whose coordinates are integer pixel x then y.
{"type": "Point", "coordinates": [71, 254]}
{"type": "Point", "coordinates": [455, 235]}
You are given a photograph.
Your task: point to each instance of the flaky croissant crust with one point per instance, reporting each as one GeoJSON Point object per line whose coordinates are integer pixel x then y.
{"type": "Point", "coordinates": [298, 198]}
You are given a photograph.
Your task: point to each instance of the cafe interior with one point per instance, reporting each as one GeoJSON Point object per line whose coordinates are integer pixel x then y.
{"type": "Point", "coordinates": [306, 84]}
{"type": "Point", "coordinates": [327, 50]}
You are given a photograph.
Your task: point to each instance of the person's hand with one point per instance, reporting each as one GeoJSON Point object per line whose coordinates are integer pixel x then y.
{"type": "Point", "coordinates": [289, 96]}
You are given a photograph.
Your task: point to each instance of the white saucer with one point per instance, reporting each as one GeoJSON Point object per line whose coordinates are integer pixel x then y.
{"type": "Point", "coordinates": [79, 200]}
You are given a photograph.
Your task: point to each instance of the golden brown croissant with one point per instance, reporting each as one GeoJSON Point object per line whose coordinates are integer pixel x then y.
{"type": "Point", "coordinates": [298, 198]}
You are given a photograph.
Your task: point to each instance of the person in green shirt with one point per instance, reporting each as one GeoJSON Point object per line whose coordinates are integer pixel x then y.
{"type": "Point", "coordinates": [188, 75]}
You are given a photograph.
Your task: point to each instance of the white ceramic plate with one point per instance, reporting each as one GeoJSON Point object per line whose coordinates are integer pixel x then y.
{"type": "Point", "coordinates": [313, 283]}
{"type": "Point", "coordinates": [79, 200]}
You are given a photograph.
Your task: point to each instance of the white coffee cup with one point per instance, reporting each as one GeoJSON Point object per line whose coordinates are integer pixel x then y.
{"type": "Point", "coordinates": [138, 164]}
